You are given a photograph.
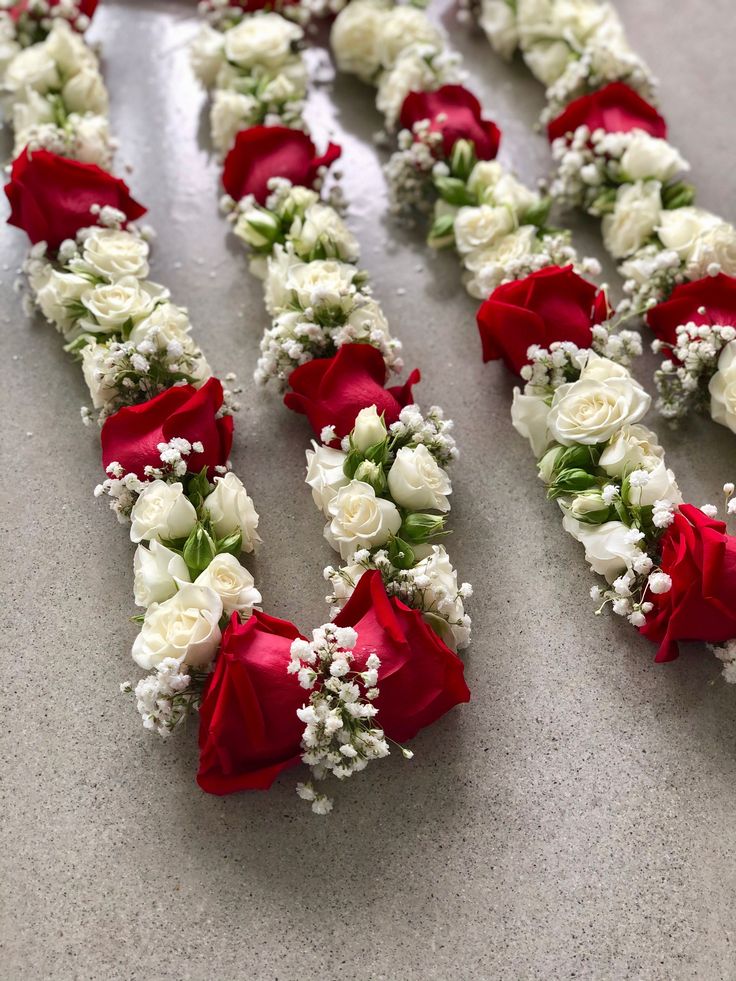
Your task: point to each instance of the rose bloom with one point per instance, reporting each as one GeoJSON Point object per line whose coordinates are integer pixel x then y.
{"type": "Point", "coordinates": [131, 436]}
{"type": "Point", "coordinates": [711, 300]}
{"type": "Point", "coordinates": [462, 119]}
{"type": "Point", "coordinates": [615, 108]}
{"type": "Point", "coordinates": [420, 678]}
{"type": "Point", "coordinates": [554, 304]}
{"type": "Point", "coordinates": [50, 196]}
{"type": "Point", "coordinates": [248, 727]}
{"type": "Point", "coordinates": [332, 391]}
{"type": "Point", "coordinates": [262, 152]}
{"type": "Point", "coordinates": [700, 558]}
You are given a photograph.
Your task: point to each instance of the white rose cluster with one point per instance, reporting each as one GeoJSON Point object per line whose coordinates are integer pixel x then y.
{"type": "Point", "coordinates": [54, 93]}
{"type": "Point", "coordinates": [255, 72]}
{"type": "Point", "coordinates": [131, 339]}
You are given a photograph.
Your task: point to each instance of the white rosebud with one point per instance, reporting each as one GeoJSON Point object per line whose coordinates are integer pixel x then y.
{"type": "Point", "coordinates": [417, 481]}
{"type": "Point", "coordinates": [94, 371]}
{"type": "Point", "coordinates": [369, 429]}
{"type": "Point", "coordinates": [185, 627]}
{"type": "Point", "coordinates": [647, 157]}
{"type": "Point", "coordinates": [161, 511]}
{"type": "Point", "coordinates": [608, 550]}
{"type": "Point", "coordinates": [354, 38]}
{"type": "Point", "coordinates": [325, 474]}
{"type": "Point", "coordinates": [529, 415]}
{"type": "Point", "coordinates": [634, 218]}
{"type": "Point", "coordinates": [360, 519]}
{"type": "Point", "coordinates": [261, 39]}
{"type": "Point", "coordinates": [157, 571]}
{"type": "Point", "coordinates": [207, 54]}
{"type": "Point", "coordinates": [86, 92]}
{"type": "Point", "coordinates": [231, 510]}
{"type": "Point", "coordinates": [498, 22]}
{"type": "Point", "coordinates": [233, 584]}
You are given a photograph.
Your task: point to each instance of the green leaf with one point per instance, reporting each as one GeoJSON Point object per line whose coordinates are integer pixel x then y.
{"type": "Point", "coordinates": [199, 550]}
{"type": "Point", "coordinates": [233, 543]}
{"type": "Point", "coordinates": [453, 190]}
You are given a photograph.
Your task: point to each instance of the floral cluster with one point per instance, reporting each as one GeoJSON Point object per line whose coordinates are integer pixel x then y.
{"type": "Point", "coordinates": [582, 413]}
{"type": "Point", "coordinates": [131, 340]}
{"type": "Point", "coordinates": [444, 162]}
{"type": "Point", "coordinates": [384, 494]}
{"type": "Point", "coordinates": [255, 71]}
{"type": "Point", "coordinates": [340, 737]}
{"type": "Point", "coordinates": [55, 97]}
{"type": "Point", "coordinates": [319, 300]}
{"type": "Point", "coordinates": [27, 22]}
{"type": "Point", "coordinates": [572, 46]}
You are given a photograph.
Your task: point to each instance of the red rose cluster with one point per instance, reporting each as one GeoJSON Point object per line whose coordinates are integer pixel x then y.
{"type": "Point", "coordinates": [249, 731]}
{"type": "Point", "coordinates": [454, 112]}
{"type": "Point", "coordinates": [615, 108]}
{"type": "Point", "coordinates": [553, 304]}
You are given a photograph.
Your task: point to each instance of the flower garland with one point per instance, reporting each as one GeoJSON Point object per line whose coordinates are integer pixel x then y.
{"type": "Point", "coordinates": [580, 409]}
{"type": "Point", "coordinates": [378, 472]}
{"type": "Point", "coordinates": [613, 161]}
{"type": "Point", "coordinates": [166, 437]}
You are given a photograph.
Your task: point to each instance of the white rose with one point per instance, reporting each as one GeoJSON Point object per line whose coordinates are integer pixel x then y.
{"type": "Point", "coordinates": [161, 511]}
{"type": "Point", "coordinates": [354, 38]}
{"type": "Point", "coordinates": [368, 319]}
{"type": "Point", "coordinates": [647, 156]}
{"type": "Point", "coordinates": [86, 92]}
{"type": "Point", "coordinates": [185, 627]}
{"type": "Point", "coordinates": [477, 228]}
{"type": "Point", "coordinates": [401, 27]}
{"type": "Point", "coordinates": [490, 266]}
{"type": "Point", "coordinates": [442, 605]}
{"type": "Point", "coordinates": [34, 111]}
{"type": "Point", "coordinates": [34, 68]}
{"type": "Point", "coordinates": [716, 246]}
{"type": "Point", "coordinates": [231, 510]}
{"type": "Point", "coordinates": [596, 367]}
{"type": "Point", "coordinates": [634, 218]}
{"type": "Point", "coordinates": [498, 21]}
{"type": "Point", "coordinates": [360, 519]}
{"type": "Point", "coordinates": [230, 112]}
{"type": "Point", "coordinates": [113, 304]}
{"type": "Point", "coordinates": [511, 193]}
{"type": "Point", "coordinates": [58, 292]}
{"type": "Point", "coordinates": [417, 481]}
{"type": "Point", "coordinates": [207, 54]}
{"type": "Point", "coordinates": [167, 324]}
{"type": "Point", "coordinates": [233, 584]}
{"type": "Point", "coordinates": [262, 39]}
{"type": "Point", "coordinates": [661, 486]}
{"type": "Point", "coordinates": [321, 224]}
{"type": "Point", "coordinates": [92, 140]}
{"type": "Point", "coordinates": [325, 474]}
{"type": "Point", "coordinates": [607, 550]}
{"type": "Point", "coordinates": [369, 429]}
{"type": "Point", "coordinates": [276, 294]}
{"type": "Point", "coordinates": [102, 388]}
{"type": "Point", "coordinates": [593, 409]}
{"type": "Point", "coordinates": [529, 415]}
{"type": "Point", "coordinates": [631, 448]}
{"type": "Point", "coordinates": [547, 60]}
{"type": "Point", "coordinates": [68, 49]}
{"type": "Point", "coordinates": [290, 84]}
{"type": "Point", "coordinates": [115, 254]}
{"type": "Point", "coordinates": [484, 176]}
{"type": "Point", "coordinates": [157, 571]}
{"type": "Point", "coordinates": [722, 388]}
{"type": "Point", "coordinates": [324, 282]}
{"type": "Point", "coordinates": [679, 228]}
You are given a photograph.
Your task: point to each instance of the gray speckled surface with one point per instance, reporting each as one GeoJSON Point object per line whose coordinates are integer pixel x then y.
{"type": "Point", "coordinates": [575, 820]}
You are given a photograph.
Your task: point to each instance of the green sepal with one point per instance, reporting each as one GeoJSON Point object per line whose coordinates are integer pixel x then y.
{"type": "Point", "coordinates": [462, 159]}
{"type": "Point", "coordinates": [232, 543]}
{"type": "Point", "coordinates": [418, 527]}
{"type": "Point", "coordinates": [442, 232]}
{"type": "Point", "coordinates": [453, 190]}
{"type": "Point", "coordinates": [199, 550]}
{"type": "Point", "coordinates": [539, 214]}
{"type": "Point", "coordinates": [677, 195]}
{"type": "Point", "coordinates": [401, 553]}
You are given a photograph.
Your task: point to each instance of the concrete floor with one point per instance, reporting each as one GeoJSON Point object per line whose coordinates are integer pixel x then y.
{"type": "Point", "coordinates": [576, 819]}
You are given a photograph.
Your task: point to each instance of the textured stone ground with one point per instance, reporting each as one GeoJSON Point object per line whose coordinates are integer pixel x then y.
{"type": "Point", "coordinates": [575, 820]}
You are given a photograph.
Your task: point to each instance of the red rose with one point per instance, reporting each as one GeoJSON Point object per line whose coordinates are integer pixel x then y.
{"type": "Point", "coordinates": [332, 391]}
{"type": "Point", "coordinates": [420, 678]}
{"type": "Point", "coordinates": [616, 108]}
{"type": "Point", "coordinates": [262, 152]}
{"type": "Point", "coordinates": [463, 119]}
{"type": "Point", "coordinates": [51, 196]}
{"type": "Point", "coordinates": [717, 294]}
{"type": "Point", "coordinates": [248, 727]}
{"type": "Point", "coordinates": [553, 304]}
{"type": "Point", "coordinates": [700, 558]}
{"type": "Point", "coordinates": [131, 436]}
